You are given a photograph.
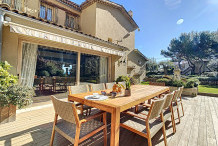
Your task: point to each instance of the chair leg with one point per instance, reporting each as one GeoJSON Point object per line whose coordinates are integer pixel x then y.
{"type": "Point", "coordinates": [178, 111]}
{"type": "Point", "coordinates": [173, 123]}
{"type": "Point", "coordinates": [76, 142]}
{"type": "Point", "coordinates": [90, 110]}
{"type": "Point", "coordinates": [53, 130]}
{"type": "Point", "coordinates": [182, 105]}
{"type": "Point", "coordinates": [105, 129]}
{"type": "Point", "coordinates": [173, 119]}
{"type": "Point", "coordinates": [148, 133]}
{"type": "Point", "coordinates": [164, 134]}
{"type": "Point", "coordinates": [164, 130]}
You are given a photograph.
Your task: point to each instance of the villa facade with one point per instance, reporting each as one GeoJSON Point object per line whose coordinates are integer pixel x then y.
{"type": "Point", "coordinates": [89, 43]}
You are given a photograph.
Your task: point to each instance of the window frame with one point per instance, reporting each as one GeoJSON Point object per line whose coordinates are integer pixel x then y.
{"type": "Point", "coordinates": [70, 17]}
{"type": "Point", "coordinates": [47, 7]}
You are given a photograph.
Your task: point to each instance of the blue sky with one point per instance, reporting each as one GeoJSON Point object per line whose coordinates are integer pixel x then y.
{"type": "Point", "coordinates": [162, 20]}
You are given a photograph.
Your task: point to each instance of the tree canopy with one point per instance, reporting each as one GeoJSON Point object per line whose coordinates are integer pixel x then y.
{"type": "Point", "coordinates": [193, 47]}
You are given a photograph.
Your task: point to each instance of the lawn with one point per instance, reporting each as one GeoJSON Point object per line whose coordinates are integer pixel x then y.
{"type": "Point", "coordinates": [208, 89]}
{"type": "Point", "coordinates": [144, 83]}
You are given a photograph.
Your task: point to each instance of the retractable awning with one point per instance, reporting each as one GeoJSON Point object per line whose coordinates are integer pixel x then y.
{"type": "Point", "coordinates": [24, 30]}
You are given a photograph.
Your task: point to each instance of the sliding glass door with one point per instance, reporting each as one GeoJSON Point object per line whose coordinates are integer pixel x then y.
{"type": "Point", "coordinates": [93, 69]}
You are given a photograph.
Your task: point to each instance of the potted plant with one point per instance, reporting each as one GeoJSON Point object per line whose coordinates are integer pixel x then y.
{"type": "Point", "coordinates": [127, 81]}
{"type": "Point", "coordinates": [12, 95]}
{"type": "Point", "coordinates": [128, 84]}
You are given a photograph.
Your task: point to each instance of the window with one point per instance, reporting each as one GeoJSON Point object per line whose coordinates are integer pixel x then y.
{"type": "Point", "coordinates": [93, 69]}
{"type": "Point", "coordinates": [69, 21]}
{"type": "Point", "coordinates": [16, 4]}
{"type": "Point", "coordinates": [46, 12]}
{"type": "Point", "coordinates": [42, 12]}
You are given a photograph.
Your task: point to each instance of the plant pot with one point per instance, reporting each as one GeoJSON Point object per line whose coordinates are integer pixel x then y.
{"type": "Point", "coordinates": [191, 92]}
{"type": "Point", "coordinates": [127, 92]}
{"type": "Point", "coordinates": [7, 114]}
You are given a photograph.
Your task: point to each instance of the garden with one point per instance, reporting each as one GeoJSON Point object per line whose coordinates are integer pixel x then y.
{"type": "Point", "coordinates": [195, 54]}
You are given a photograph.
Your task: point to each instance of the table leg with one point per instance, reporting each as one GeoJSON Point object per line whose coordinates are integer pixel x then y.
{"type": "Point", "coordinates": [115, 127]}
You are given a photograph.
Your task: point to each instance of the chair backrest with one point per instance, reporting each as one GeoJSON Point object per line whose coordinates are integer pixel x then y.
{"type": "Point", "coordinates": [168, 100]}
{"type": "Point", "coordinates": [157, 83]}
{"type": "Point", "coordinates": [123, 83]}
{"type": "Point", "coordinates": [97, 87]}
{"type": "Point", "coordinates": [64, 109]}
{"type": "Point", "coordinates": [176, 95]}
{"type": "Point", "coordinates": [180, 91]}
{"type": "Point", "coordinates": [110, 85]}
{"type": "Point", "coordinates": [156, 108]}
{"type": "Point", "coordinates": [78, 89]}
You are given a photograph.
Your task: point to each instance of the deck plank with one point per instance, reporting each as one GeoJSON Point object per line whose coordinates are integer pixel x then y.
{"type": "Point", "coordinates": [202, 132]}
{"type": "Point", "coordinates": [193, 139]}
{"type": "Point", "coordinates": [198, 127]}
{"type": "Point", "coordinates": [214, 117]}
{"type": "Point", "coordinates": [211, 138]}
{"type": "Point", "coordinates": [180, 126]}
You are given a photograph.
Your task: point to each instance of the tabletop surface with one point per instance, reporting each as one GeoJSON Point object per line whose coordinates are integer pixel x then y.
{"type": "Point", "coordinates": [139, 93]}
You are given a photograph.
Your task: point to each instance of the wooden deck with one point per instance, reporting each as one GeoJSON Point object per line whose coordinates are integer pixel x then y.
{"type": "Point", "coordinates": [198, 127]}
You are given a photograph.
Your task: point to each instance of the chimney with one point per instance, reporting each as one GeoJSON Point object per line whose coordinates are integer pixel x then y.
{"type": "Point", "coordinates": [130, 13]}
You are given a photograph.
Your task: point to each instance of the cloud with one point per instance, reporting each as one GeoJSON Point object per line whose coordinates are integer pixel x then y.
{"type": "Point", "coordinates": [172, 4]}
{"type": "Point", "coordinates": [180, 21]}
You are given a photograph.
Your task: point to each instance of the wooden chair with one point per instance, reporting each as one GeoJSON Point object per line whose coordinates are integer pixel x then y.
{"type": "Point", "coordinates": [110, 85]}
{"type": "Point", "coordinates": [75, 127]}
{"type": "Point", "coordinates": [168, 111]}
{"type": "Point", "coordinates": [180, 98]}
{"type": "Point", "coordinates": [97, 87]}
{"type": "Point", "coordinates": [175, 105]}
{"type": "Point", "coordinates": [77, 90]}
{"type": "Point", "coordinates": [157, 83]}
{"type": "Point", "coordinates": [146, 125]}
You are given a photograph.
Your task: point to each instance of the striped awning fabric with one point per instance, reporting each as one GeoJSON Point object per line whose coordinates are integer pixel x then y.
{"type": "Point", "coordinates": [24, 30]}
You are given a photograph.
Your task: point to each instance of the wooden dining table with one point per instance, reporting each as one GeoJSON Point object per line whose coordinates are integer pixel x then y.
{"type": "Point", "coordinates": [139, 94]}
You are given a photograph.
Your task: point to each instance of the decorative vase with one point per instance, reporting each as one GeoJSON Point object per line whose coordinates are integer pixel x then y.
{"type": "Point", "coordinates": [127, 92]}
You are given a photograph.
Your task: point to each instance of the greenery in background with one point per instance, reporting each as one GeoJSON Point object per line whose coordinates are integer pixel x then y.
{"type": "Point", "coordinates": [193, 47]}
{"type": "Point", "coordinates": [49, 68]}
{"type": "Point", "coordinates": [208, 89]}
{"type": "Point", "coordinates": [11, 92]}
{"type": "Point", "coordinates": [152, 65]}
{"type": "Point", "coordinates": [190, 83]}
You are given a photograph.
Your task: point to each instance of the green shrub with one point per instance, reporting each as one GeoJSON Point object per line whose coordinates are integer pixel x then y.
{"type": "Point", "coordinates": [18, 95]}
{"type": "Point", "coordinates": [10, 91]}
{"type": "Point", "coordinates": [6, 79]}
{"type": "Point", "coordinates": [192, 82]}
{"type": "Point", "coordinates": [164, 80]}
{"type": "Point", "coordinates": [177, 83]}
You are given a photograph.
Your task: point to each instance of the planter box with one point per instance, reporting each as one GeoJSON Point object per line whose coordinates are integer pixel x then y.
{"type": "Point", "coordinates": [193, 92]}
{"type": "Point", "coordinates": [7, 114]}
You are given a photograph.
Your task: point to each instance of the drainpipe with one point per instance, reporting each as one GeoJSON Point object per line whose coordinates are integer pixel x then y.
{"type": "Point", "coordinates": [2, 13]}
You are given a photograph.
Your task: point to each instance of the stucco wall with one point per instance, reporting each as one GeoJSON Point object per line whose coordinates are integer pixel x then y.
{"type": "Point", "coordinates": [111, 23]}
{"type": "Point", "coordinates": [88, 20]}
{"type": "Point", "coordinates": [32, 7]}
{"type": "Point", "coordinates": [9, 49]}
{"type": "Point", "coordinates": [138, 62]}
{"type": "Point", "coordinates": [61, 17]}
